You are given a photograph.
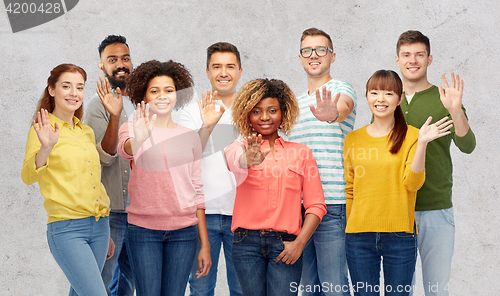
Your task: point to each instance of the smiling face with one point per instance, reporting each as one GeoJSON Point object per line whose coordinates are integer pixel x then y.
{"type": "Point", "coordinates": [265, 118]}
{"type": "Point", "coordinates": [68, 94]}
{"type": "Point", "coordinates": [382, 102]}
{"type": "Point", "coordinates": [161, 95]}
{"type": "Point", "coordinates": [116, 64]}
{"type": "Point", "coordinates": [224, 72]}
{"type": "Point", "coordinates": [413, 60]}
{"type": "Point", "coordinates": [314, 65]}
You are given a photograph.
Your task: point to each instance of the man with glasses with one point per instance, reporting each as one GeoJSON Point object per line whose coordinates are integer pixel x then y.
{"type": "Point", "coordinates": [327, 114]}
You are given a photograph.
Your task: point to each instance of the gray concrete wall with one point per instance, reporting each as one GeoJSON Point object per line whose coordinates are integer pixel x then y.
{"type": "Point", "coordinates": [464, 38]}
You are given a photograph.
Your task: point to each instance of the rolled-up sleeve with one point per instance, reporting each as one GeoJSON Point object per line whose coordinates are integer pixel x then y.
{"type": "Point", "coordinates": [233, 153]}
{"type": "Point", "coordinates": [313, 197]}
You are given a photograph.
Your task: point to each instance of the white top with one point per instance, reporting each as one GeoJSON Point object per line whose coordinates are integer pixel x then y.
{"type": "Point", "coordinates": [408, 98]}
{"type": "Point", "coordinates": [219, 184]}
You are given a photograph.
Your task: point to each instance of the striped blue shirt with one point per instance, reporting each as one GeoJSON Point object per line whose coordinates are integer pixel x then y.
{"type": "Point", "coordinates": [326, 141]}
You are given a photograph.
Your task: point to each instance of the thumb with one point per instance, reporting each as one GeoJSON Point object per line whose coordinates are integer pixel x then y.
{"type": "Point", "coordinates": [428, 121]}
{"type": "Point", "coordinates": [312, 108]}
{"type": "Point", "coordinates": [336, 98]}
{"type": "Point", "coordinates": [266, 152]}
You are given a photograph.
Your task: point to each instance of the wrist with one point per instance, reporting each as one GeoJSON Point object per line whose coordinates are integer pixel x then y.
{"type": "Point", "coordinates": [456, 113]}
{"type": "Point", "coordinates": [334, 120]}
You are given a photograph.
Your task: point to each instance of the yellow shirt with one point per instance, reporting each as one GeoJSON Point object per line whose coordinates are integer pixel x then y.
{"type": "Point", "coordinates": [70, 181]}
{"type": "Point", "coordinates": [381, 187]}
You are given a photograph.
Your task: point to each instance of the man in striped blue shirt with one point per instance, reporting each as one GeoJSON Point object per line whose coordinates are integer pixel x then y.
{"type": "Point", "coordinates": [327, 114]}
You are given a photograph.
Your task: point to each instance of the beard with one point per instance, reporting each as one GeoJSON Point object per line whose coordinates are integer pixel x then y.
{"type": "Point", "coordinates": [117, 82]}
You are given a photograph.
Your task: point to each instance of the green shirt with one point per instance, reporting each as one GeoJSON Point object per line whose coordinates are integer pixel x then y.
{"type": "Point", "coordinates": [435, 194]}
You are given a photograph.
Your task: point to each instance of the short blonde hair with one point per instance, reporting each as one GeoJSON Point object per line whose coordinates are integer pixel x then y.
{"type": "Point", "coordinates": [256, 90]}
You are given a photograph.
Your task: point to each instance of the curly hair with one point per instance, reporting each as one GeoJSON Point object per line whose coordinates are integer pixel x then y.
{"type": "Point", "coordinates": [47, 101]}
{"type": "Point", "coordinates": [256, 90]}
{"type": "Point", "coordinates": [138, 81]}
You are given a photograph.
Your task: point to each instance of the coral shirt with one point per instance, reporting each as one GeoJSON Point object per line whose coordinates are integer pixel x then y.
{"type": "Point", "coordinates": [269, 195]}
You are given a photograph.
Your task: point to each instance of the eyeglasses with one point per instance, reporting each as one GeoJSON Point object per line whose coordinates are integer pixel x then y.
{"type": "Point", "coordinates": [321, 51]}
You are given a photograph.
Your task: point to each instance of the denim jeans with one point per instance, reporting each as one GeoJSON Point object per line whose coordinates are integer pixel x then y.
{"type": "Point", "coordinates": [254, 255]}
{"type": "Point", "coordinates": [325, 267]}
{"type": "Point", "coordinates": [117, 273]}
{"type": "Point", "coordinates": [79, 247]}
{"type": "Point", "coordinates": [436, 241]}
{"type": "Point", "coordinates": [161, 260]}
{"type": "Point", "coordinates": [396, 250]}
{"type": "Point", "coordinates": [219, 233]}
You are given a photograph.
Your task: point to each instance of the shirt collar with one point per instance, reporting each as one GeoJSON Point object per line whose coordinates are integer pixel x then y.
{"type": "Point", "coordinates": [279, 141]}
{"type": "Point", "coordinates": [61, 123]}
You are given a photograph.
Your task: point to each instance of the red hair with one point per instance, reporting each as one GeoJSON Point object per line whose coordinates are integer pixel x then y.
{"type": "Point", "coordinates": [47, 101]}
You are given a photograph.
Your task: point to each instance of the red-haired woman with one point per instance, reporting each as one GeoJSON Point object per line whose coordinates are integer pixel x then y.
{"type": "Point", "coordinates": [61, 156]}
{"type": "Point", "coordinates": [384, 167]}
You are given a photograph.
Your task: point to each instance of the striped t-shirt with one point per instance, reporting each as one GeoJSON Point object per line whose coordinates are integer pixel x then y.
{"type": "Point", "coordinates": [326, 141]}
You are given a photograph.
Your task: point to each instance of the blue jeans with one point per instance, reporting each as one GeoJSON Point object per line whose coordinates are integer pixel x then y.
{"type": "Point", "coordinates": [161, 260]}
{"type": "Point", "coordinates": [396, 250]}
{"type": "Point", "coordinates": [117, 273]}
{"type": "Point", "coordinates": [219, 233]}
{"type": "Point", "coordinates": [254, 255]}
{"type": "Point", "coordinates": [79, 247]}
{"type": "Point", "coordinates": [436, 241]}
{"type": "Point", "coordinates": [325, 267]}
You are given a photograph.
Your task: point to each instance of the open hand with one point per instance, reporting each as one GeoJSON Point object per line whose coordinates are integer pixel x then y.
{"type": "Point", "coordinates": [451, 97]}
{"type": "Point", "coordinates": [326, 107]}
{"type": "Point", "coordinates": [113, 105]}
{"type": "Point", "coordinates": [436, 130]}
{"type": "Point", "coordinates": [209, 115]}
{"type": "Point", "coordinates": [143, 125]}
{"type": "Point", "coordinates": [253, 154]}
{"type": "Point", "coordinates": [47, 136]}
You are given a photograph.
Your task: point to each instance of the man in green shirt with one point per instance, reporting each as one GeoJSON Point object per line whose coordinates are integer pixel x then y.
{"type": "Point", "coordinates": [434, 208]}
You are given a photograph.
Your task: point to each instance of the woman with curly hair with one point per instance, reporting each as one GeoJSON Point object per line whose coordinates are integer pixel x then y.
{"type": "Point", "coordinates": [273, 175]}
{"type": "Point", "coordinates": [166, 215]}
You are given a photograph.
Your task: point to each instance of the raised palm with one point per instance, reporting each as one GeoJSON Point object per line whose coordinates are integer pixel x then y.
{"type": "Point", "coordinates": [143, 125]}
{"type": "Point", "coordinates": [209, 114]}
{"type": "Point", "coordinates": [326, 107]}
{"type": "Point", "coordinates": [47, 136]}
{"type": "Point", "coordinates": [429, 132]}
{"type": "Point", "coordinates": [451, 96]}
{"type": "Point", "coordinates": [253, 154]}
{"type": "Point", "coordinates": [113, 105]}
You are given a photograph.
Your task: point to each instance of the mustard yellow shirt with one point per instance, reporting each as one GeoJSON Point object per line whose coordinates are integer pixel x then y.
{"type": "Point", "coordinates": [70, 181]}
{"type": "Point", "coordinates": [381, 187]}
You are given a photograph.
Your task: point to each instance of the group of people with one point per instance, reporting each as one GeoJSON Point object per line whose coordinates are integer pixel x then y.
{"type": "Point", "coordinates": [140, 199]}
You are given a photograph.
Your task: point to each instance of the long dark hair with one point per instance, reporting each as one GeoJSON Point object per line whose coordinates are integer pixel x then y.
{"type": "Point", "coordinates": [47, 101]}
{"type": "Point", "coordinates": [389, 80]}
